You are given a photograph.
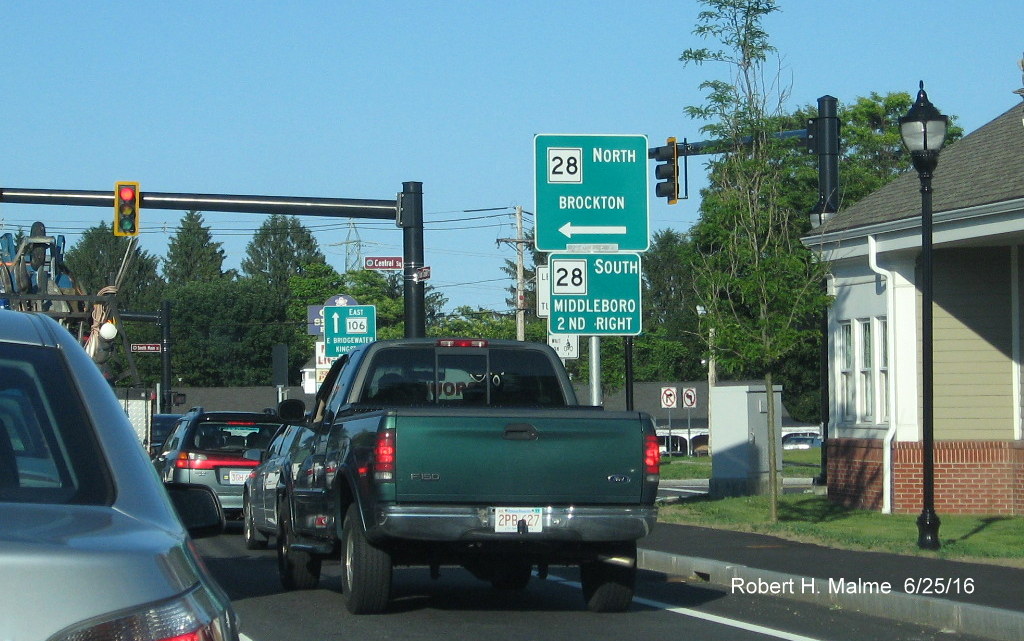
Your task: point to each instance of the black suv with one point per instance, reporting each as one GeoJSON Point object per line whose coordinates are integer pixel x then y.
{"type": "Point", "coordinates": [206, 448]}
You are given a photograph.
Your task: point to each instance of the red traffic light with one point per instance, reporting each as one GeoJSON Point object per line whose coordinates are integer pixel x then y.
{"type": "Point", "coordinates": [126, 208]}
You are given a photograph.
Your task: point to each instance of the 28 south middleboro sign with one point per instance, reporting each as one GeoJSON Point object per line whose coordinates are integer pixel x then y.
{"type": "Point", "coordinates": [595, 294]}
{"type": "Point", "coordinates": [591, 190]}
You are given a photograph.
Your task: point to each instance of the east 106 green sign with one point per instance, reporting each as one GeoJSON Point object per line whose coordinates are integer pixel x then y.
{"type": "Point", "coordinates": [347, 327]}
{"type": "Point", "coordinates": [595, 294]}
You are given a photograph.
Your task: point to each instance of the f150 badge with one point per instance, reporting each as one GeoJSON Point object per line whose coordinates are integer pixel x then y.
{"type": "Point", "coordinates": [424, 476]}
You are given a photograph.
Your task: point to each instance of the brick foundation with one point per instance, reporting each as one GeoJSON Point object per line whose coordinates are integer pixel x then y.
{"type": "Point", "coordinates": [855, 472]}
{"type": "Point", "coordinates": [971, 477]}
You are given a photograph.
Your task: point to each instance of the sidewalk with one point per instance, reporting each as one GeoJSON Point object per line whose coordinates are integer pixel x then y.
{"type": "Point", "coordinates": [972, 598]}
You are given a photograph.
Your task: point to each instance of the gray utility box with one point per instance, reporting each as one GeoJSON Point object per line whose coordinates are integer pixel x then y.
{"type": "Point", "coordinates": [739, 439]}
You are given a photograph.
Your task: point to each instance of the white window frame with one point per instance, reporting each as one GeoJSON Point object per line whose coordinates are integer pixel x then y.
{"type": "Point", "coordinates": [883, 368]}
{"type": "Point", "coordinates": [866, 379]}
{"type": "Point", "coordinates": [845, 356]}
{"type": "Point", "coordinates": [862, 365]}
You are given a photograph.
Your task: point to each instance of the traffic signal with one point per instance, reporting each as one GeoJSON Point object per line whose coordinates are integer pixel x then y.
{"type": "Point", "coordinates": [126, 209]}
{"type": "Point", "coordinates": [667, 171]}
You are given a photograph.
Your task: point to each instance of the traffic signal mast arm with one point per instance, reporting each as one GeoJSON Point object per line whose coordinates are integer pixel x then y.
{"type": "Point", "coordinates": [667, 172]}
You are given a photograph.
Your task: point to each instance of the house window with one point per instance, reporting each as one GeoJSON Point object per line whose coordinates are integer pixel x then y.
{"type": "Point", "coordinates": [846, 384]}
{"type": "Point", "coordinates": [866, 411]}
{"type": "Point", "coordinates": [883, 370]}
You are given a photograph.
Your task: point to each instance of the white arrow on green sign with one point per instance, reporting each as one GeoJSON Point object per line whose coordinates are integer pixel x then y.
{"type": "Point", "coordinates": [347, 327]}
{"type": "Point", "coordinates": [591, 190]}
{"type": "Point", "coordinates": [595, 294]}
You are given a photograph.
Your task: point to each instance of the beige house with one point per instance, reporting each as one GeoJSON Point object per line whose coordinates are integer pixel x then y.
{"type": "Point", "coordinates": [874, 246]}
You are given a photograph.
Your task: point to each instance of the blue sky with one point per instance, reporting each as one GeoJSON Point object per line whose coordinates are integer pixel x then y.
{"type": "Point", "coordinates": [348, 100]}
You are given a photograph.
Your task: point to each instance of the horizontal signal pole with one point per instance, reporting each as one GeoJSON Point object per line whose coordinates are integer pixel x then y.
{"type": "Point", "coordinates": [292, 206]}
{"type": "Point", "coordinates": [410, 220]}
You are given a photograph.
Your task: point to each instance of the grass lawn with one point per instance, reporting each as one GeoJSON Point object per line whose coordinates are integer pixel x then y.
{"type": "Point", "coordinates": [812, 518]}
{"type": "Point", "coordinates": [795, 463]}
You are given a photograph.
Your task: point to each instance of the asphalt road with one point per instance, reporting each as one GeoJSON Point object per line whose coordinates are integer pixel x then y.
{"type": "Point", "coordinates": [457, 607]}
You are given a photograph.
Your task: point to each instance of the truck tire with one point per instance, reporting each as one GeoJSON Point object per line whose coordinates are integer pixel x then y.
{"type": "Point", "coordinates": [366, 576]}
{"type": "Point", "coordinates": [608, 581]}
{"type": "Point", "coordinates": [299, 569]}
{"type": "Point", "coordinates": [254, 539]}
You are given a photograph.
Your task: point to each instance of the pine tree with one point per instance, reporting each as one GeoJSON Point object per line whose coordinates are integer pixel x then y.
{"type": "Point", "coordinates": [281, 248]}
{"type": "Point", "coordinates": [192, 256]}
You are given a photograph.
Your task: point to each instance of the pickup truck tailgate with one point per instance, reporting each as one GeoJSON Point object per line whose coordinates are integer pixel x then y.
{"type": "Point", "coordinates": [521, 457]}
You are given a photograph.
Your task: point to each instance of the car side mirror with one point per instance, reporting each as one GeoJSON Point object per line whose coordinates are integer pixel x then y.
{"type": "Point", "coordinates": [292, 410]}
{"type": "Point", "coordinates": [254, 454]}
{"type": "Point", "coordinates": [198, 508]}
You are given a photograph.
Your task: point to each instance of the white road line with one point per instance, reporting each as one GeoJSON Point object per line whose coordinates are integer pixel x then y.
{"type": "Point", "coordinates": [713, 618]}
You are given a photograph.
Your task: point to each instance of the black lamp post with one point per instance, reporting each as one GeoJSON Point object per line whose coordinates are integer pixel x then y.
{"type": "Point", "coordinates": [923, 130]}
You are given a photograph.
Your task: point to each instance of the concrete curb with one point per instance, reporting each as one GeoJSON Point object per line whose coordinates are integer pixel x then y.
{"type": "Point", "coordinates": [966, 618]}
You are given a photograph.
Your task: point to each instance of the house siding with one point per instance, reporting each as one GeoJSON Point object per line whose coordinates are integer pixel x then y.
{"type": "Point", "coordinates": [972, 344]}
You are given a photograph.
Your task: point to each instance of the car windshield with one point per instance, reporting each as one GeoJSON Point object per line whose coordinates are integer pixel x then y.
{"type": "Point", "coordinates": [48, 451]}
{"type": "Point", "coordinates": [232, 436]}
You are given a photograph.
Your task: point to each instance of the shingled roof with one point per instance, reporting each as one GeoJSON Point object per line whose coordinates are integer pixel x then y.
{"type": "Point", "coordinates": [986, 166]}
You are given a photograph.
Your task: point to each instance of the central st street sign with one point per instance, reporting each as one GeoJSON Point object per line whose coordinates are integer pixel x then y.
{"type": "Point", "coordinates": [347, 327]}
{"type": "Point", "coordinates": [595, 294]}
{"type": "Point", "coordinates": [591, 190]}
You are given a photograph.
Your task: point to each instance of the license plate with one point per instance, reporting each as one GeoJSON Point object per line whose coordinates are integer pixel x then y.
{"type": "Point", "coordinates": [506, 519]}
{"type": "Point", "coordinates": [237, 477]}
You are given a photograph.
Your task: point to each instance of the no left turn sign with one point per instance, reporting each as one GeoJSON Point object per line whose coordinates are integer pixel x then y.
{"type": "Point", "coordinates": [689, 397]}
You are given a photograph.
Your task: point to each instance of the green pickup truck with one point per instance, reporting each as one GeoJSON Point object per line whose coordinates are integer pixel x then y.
{"type": "Point", "coordinates": [464, 452]}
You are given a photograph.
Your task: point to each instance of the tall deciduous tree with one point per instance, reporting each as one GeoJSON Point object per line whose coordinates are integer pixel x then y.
{"type": "Point", "coordinates": [759, 285]}
{"type": "Point", "coordinates": [192, 255]}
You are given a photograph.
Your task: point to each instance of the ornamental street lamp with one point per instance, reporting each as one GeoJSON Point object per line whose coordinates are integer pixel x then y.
{"type": "Point", "coordinates": [923, 130]}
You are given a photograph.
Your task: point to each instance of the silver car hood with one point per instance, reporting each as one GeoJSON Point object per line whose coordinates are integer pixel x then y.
{"type": "Point", "coordinates": [106, 560]}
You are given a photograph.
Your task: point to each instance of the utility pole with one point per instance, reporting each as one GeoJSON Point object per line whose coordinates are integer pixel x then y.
{"type": "Point", "coordinates": [519, 241]}
{"type": "Point", "coordinates": [520, 285]}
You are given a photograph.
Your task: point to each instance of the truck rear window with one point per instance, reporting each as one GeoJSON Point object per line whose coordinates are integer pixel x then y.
{"type": "Point", "coordinates": [489, 377]}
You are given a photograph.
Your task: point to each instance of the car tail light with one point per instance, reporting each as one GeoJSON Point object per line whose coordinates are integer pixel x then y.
{"type": "Point", "coordinates": [196, 461]}
{"type": "Point", "coordinates": [384, 456]}
{"type": "Point", "coordinates": [652, 455]}
{"type": "Point", "coordinates": [195, 616]}
{"type": "Point", "coordinates": [462, 342]}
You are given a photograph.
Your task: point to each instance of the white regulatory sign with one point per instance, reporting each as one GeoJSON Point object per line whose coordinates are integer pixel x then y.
{"type": "Point", "coordinates": [689, 397]}
{"type": "Point", "coordinates": [668, 398]}
{"type": "Point", "coordinates": [565, 345]}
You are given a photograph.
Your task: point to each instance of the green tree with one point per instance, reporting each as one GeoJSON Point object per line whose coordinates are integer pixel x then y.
{"type": "Point", "coordinates": [761, 288]}
{"type": "Point", "coordinates": [469, 322]}
{"type": "Point", "coordinates": [192, 255]}
{"type": "Point", "coordinates": [101, 260]}
{"type": "Point", "coordinates": [224, 332]}
{"type": "Point", "coordinates": [99, 256]}
{"type": "Point", "coordinates": [281, 248]}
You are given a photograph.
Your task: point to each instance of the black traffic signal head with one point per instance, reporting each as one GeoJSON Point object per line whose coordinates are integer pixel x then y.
{"type": "Point", "coordinates": [126, 209]}
{"type": "Point", "coordinates": [667, 171]}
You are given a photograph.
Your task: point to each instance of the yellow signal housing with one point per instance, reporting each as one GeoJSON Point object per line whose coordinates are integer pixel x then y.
{"type": "Point", "coordinates": [126, 208]}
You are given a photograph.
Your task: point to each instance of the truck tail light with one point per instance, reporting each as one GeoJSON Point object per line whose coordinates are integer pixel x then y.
{"type": "Point", "coordinates": [384, 456]}
{"type": "Point", "coordinates": [652, 455]}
